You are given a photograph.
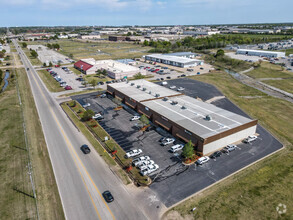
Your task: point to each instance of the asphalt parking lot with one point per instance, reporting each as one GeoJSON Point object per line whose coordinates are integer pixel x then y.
{"type": "Point", "coordinates": [174, 182]}
{"type": "Point", "coordinates": [127, 134]}
{"type": "Point", "coordinates": [69, 78]}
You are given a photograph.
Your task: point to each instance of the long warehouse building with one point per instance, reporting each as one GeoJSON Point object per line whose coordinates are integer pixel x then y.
{"type": "Point", "coordinates": [261, 53]}
{"type": "Point", "coordinates": [207, 126]}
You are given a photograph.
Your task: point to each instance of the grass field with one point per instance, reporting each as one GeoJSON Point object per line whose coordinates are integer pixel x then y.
{"type": "Point", "coordinates": [255, 192]}
{"type": "Point", "coordinates": [51, 84]}
{"type": "Point", "coordinates": [49, 202]}
{"type": "Point", "coordinates": [268, 70]}
{"type": "Point", "coordinates": [99, 50]}
{"type": "Point", "coordinates": [285, 84]}
{"type": "Point", "coordinates": [16, 199]}
{"type": "Point", "coordinates": [34, 61]}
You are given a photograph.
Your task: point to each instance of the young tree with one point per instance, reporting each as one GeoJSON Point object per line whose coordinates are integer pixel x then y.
{"type": "Point", "coordinates": [139, 76]}
{"type": "Point", "coordinates": [188, 150]}
{"type": "Point", "coordinates": [24, 45]}
{"type": "Point", "coordinates": [145, 43]}
{"type": "Point", "coordinates": [93, 83]}
{"type": "Point", "coordinates": [220, 53]}
{"type": "Point", "coordinates": [104, 72]}
{"type": "Point", "coordinates": [44, 64]}
{"type": "Point", "coordinates": [34, 54]}
{"type": "Point", "coordinates": [144, 119]}
{"type": "Point", "coordinates": [87, 115]}
{"type": "Point", "coordinates": [70, 56]}
{"type": "Point", "coordinates": [50, 64]}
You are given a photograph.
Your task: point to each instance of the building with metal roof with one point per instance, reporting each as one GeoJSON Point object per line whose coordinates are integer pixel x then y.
{"type": "Point", "coordinates": [207, 126]}
{"type": "Point", "coordinates": [173, 60]}
{"type": "Point", "coordinates": [261, 53]}
{"type": "Point", "coordinates": [182, 54]}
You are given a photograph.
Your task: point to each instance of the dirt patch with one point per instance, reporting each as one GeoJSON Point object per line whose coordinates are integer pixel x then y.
{"type": "Point", "coordinates": [174, 215]}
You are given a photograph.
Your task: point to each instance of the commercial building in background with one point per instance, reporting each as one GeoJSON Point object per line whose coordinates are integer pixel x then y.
{"type": "Point", "coordinates": [208, 127]}
{"type": "Point", "coordinates": [261, 53]}
{"type": "Point", "coordinates": [117, 38]}
{"type": "Point", "coordinates": [115, 69]}
{"type": "Point", "coordinates": [173, 60]}
{"type": "Point", "coordinates": [189, 55]}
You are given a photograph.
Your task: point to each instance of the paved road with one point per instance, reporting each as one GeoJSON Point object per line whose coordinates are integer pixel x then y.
{"type": "Point", "coordinates": [80, 178]}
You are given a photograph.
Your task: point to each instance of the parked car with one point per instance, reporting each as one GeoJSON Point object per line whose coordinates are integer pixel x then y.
{"type": "Point", "coordinates": [176, 147]}
{"type": "Point", "coordinates": [135, 118]}
{"type": "Point", "coordinates": [183, 75]}
{"type": "Point", "coordinates": [180, 89]}
{"type": "Point", "coordinates": [168, 77]}
{"type": "Point", "coordinates": [250, 139]}
{"type": "Point", "coordinates": [103, 95]}
{"type": "Point", "coordinates": [139, 160]}
{"type": "Point", "coordinates": [216, 154]}
{"type": "Point", "coordinates": [164, 83]}
{"type": "Point", "coordinates": [168, 141]}
{"type": "Point", "coordinates": [98, 116]}
{"type": "Point", "coordinates": [85, 149]}
{"type": "Point", "coordinates": [189, 70]}
{"type": "Point", "coordinates": [133, 153]}
{"type": "Point", "coordinates": [202, 160]}
{"type": "Point", "coordinates": [57, 65]}
{"type": "Point", "coordinates": [108, 196]}
{"type": "Point", "coordinates": [145, 163]}
{"type": "Point", "coordinates": [229, 148]}
{"type": "Point", "coordinates": [68, 88]}
{"type": "Point", "coordinates": [86, 105]}
{"type": "Point", "coordinates": [172, 87]}
{"type": "Point", "coordinates": [149, 169]}
{"type": "Point", "coordinates": [201, 68]}
{"type": "Point", "coordinates": [150, 128]}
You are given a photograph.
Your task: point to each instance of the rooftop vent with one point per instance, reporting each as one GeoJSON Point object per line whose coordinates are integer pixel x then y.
{"type": "Point", "coordinates": [165, 99]}
{"type": "Point", "coordinates": [138, 86]}
{"type": "Point", "coordinates": [132, 84]}
{"type": "Point", "coordinates": [208, 117]}
{"type": "Point", "coordinates": [143, 89]}
{"type": "Point", "coordinates": [157, 95]}
{"type": "Point", "coordinates": [174, 103]}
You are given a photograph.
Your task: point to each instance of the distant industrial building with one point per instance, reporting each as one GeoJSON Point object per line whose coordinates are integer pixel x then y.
{"type": "Point", "coordinates": [117, 38]}
{"type": "Point", "coordinates": [210, 128]}
{"type": "Point", "coordinates": [173, 60]}
{"type": "Point", "coordinates": [260, 53]}
{"type": "Point", "coordinates": [115, 69]}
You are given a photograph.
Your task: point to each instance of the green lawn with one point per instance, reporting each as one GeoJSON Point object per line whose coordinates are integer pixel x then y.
{"type": "Point", "coordinates": [16, 190]}
{"type": "Point", "coordinates": [51, 84]}
{"type": "Point", "coordinates": [255, 192]}
{"type": "Point", "coordinates": [99, 50]}
{"type": "Point", "coordinates": [285, 84]}
{"type": "Point", "coordinates": [34, 61]}
{"type": "Point", "coordinates": [268, 70]}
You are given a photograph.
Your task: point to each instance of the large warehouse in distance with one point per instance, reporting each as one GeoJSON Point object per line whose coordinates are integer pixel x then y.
{"type": "Point", "coordinates": [207, 126]}
{"type": "Point", "coordinates": [261, 53]}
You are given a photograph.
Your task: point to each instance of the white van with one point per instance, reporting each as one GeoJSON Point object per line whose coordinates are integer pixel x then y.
{"type": "Point", "coordinates": [176, 147]}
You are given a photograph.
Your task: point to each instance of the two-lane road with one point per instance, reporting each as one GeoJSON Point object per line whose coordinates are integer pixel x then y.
{"type": "Point", "coordinates": [81, 179]}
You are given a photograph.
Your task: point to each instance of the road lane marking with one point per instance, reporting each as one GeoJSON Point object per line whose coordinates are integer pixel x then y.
{"type": "Point", "coordinates": [77, 157]}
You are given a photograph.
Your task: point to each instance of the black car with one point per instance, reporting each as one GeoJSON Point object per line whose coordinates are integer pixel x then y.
{"type": "Point", "coordinates": [168, 77]}
{"type": "Point", "coordinates": [101, 83]}
{"type": "Point", "coordinates": [85, 149]}
{"type": "Point", "coordinates": [216, 154]}
{"type": "Point", "coordinates": [108, 196]}
{"type": "Point", "coordinates": [183, 75]}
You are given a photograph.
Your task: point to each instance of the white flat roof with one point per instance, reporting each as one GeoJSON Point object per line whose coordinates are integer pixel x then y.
{"type": "Point", "coordinates": [262, 51]}
{"type": "Point", "coordinates": [173, 58]}
{"type": "Point", "coordinates": [151, 89]}
{"type": "Point", "coordinates": [193, 116]}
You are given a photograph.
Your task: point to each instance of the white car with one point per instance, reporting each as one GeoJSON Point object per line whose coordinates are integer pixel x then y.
{"type": "Point", "coordinates": [172, 87]}
{"type": "Point", "coordinates": [135, 118]}
{"type": "Point", "coordinates": [168, 141]}
{"type": "Point", "coordinates": [176, 147]}
{"type": "Point", "coordinates": [249, 139]}
{"type": "Point", "coordinates": [202, 160]}
{"type": "Point", "coordinates": [133, 153]}
{"type": "Point", "coordinates": [150, 169]}
{"type": "Point", "coordinates": [86, 105]}
{"type": "Point", "coordinates": [138, 161]}
{"type": "Point", "coordinates": [98, 116]}
{"type": "Point", "coordinates": [144, 164]}
{"type": "Point", "coordinates": [180, 89]}
{"type": "Point", "coordinates": [164, 83]}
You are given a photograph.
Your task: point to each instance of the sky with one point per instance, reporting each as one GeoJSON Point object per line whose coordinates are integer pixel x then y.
{"type": "Point", "coordinates": [143, 12]}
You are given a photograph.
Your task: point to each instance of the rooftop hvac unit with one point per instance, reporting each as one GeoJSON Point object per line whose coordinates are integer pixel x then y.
{"type": "Point", "coordinates": [138, 86]}
{"type": "Point", "coordinates": [157, 95]}
{"type": "Point", "coordinates": [143, 89]}
{"type": "Point", "coordinates": [165, 99]}
{"type": "Point", "coordinates": [208, 117]}
{"type": "Point", "coordinates": [174, 103]}
{"type": "Point", "coordinates": [132, 84]}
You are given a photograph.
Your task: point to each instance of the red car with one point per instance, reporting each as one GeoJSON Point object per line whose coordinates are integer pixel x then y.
{"type": "Point", "coordinates": [57, 65]}
{"type": "Point", "coordinates": [156, 70]}
{"type": "Point", "coordinates": [68, 87]}
{"type": "Point", "coordinates": [49, 69]}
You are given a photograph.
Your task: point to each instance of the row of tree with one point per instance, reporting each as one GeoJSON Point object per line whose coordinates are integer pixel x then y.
{"type": "Point", "coordinates": [53, 46]}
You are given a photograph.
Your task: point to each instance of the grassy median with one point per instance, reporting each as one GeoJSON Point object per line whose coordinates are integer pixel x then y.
{"type": "Point", "coordinates": [16, 195]}
{"type": "Point", "coordinates": [51, 84]}
{"type": "Point", "coordinates": [255, 192]}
